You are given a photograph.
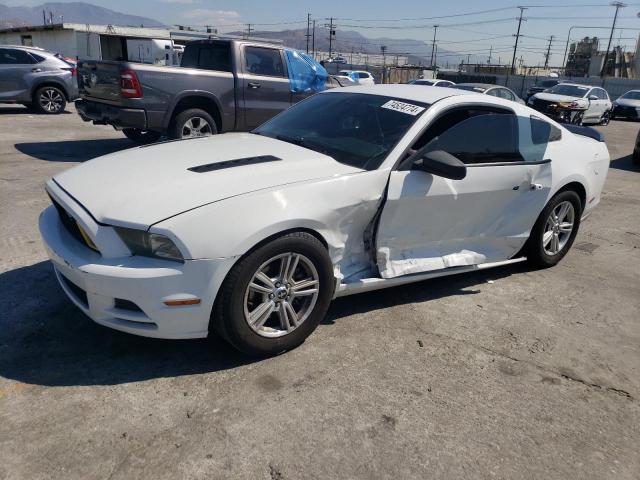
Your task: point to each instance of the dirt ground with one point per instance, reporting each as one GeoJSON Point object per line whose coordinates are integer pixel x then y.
{"type": "Point", "coordinates": [510, 373]}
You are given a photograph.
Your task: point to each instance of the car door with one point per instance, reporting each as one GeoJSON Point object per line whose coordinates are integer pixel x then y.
{"type": "Point", "coordinates": [265, 84]}
{"type": "Point", "coordinates": [431, 223]}
{"type": "Point", "coordinates": [597, 104]}
{"type": "Point", "coordinates": [15, 66]}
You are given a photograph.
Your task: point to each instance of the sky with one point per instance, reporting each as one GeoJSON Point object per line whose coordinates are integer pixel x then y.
{"type": "Point", "coordinates": [461, 28]}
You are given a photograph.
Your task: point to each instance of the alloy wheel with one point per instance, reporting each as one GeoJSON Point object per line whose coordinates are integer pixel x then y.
{"type": "Point", "coordinates": [558, 228]}
{"type": "Point", "coordinates": [196, 127]}
{"type": "Point", "coordinates": [51, 100]}
{"type": "Point", "coordinates": [281, 295]}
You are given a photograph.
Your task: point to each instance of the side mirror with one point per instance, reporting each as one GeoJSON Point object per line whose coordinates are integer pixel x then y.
{"type": "Point", "coordinates": [441, 163]}
{"type": "Point", "coordinates": [593, 97]}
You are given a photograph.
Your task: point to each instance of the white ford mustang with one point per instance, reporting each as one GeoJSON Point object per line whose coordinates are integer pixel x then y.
{"type": "Point", "coordinates": [252, 234]}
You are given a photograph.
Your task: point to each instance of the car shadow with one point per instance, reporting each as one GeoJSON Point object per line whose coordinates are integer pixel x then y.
{"type": "Point", "coordinates": [21, 110]}
{"type": "Point", "coordinates": [625, 163]}
{"type": "Point", "coordinates": [73, 150]}
{"type": "Point", "coordinates": [45, 340]}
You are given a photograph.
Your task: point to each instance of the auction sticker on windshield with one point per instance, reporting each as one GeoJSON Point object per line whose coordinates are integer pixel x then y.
{"type": "Point", "coordinates": [403, 107]}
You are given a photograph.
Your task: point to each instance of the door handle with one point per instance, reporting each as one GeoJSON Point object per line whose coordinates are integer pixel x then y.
{"type": "Point", "coordinates": [36, 70]}
{"type": "Point", "coordinates": [536, 186]}
{"type": "Point", "coordinates": [253, 85]}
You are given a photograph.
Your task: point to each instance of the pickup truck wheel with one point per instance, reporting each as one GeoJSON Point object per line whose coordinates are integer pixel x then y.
{"type": "Point", "coordinates": [192, 123]}
{"type": "Point", "coordinates": [275, 297]}
{"type": "Point", "coordinates": [49, 100]}
{"type": "Point", "coordinates": [142, 137]}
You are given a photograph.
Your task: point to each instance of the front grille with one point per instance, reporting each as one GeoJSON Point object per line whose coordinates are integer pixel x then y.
{"type": "Point", "coordinates": [123, 304]}
{"type": "Point", "coordinates": [541, 105]}
{"type": "Point", "coordinates": [71, 225]}
{"type": "Point", "coordinates": [79, 293]}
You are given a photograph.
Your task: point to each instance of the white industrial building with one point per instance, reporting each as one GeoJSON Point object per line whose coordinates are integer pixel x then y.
{"type": "Point", "coordinates": [105, 42]}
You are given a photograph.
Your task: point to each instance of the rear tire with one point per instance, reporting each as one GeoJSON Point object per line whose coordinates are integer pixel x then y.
{"type": "Point", "coordinates": [193, 122]}
{"type": "Point", "coordinates": [142, 137]}
{"type": "Point", "coordinates": [49, 100]}
{"type": "Point", "coordinates": [298, 300]}
{"type": "Point", "coordinates": [555, 230]}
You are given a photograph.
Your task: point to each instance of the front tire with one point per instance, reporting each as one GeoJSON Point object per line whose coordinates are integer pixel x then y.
{"type": "Point", "coordinates": [142, 137]}
{"type": "Point", "coordinates": [192, 123]}
{"type": "Point", "coordinates": [606, 118]}
{"type": "Point", "coordinates": [49, 100]}
{"type": "Point", "coordinates": [275, 297]}
{"type": "Point", "coordinates": [555, 230]}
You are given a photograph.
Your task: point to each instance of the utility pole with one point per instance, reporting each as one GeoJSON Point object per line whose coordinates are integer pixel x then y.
{"type": "Point", "coordinates": [313, 39]}
{"type": "Point", "coordinates": [332, 34]}
{"type": "Point", "coordinates": [490, 52]}
{"type": "Point", "coordinates": [515, 47]}
{"type": "Point", "coordinates": [248, 30]}
{"type": "Point", "coordinates": [618, 5]}
{"type": "Point", "coordinates": [546, 57]}
{"type": "Point", "coordinates": [308, 34]}
{"type": "Point", "coordinates": [433, 45]}
{"type": "Point", "coordinates": [383, 49]}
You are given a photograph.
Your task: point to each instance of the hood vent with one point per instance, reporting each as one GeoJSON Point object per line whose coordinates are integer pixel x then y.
{"type": "Point", "coordinates": [239, 162]}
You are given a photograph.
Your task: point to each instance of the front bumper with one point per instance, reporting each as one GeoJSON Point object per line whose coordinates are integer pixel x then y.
{"type": "Point", "coordinates": [127, 293]}
{"type": "Point", "coordinates": [119, 117]}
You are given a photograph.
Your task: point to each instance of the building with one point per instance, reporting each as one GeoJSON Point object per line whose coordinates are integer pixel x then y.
{"type": "Point", "coordinates": [580, 57]}
{"type": "Point", "coordinates": [106, 42]}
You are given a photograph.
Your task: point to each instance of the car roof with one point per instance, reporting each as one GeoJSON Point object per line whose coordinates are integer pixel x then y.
{"type": "Point", "coordinates": [415, 93]}
{"type": "Point", "coordinates": [580, 85]}
{"type": "Point", "coordinates": [486, 86]}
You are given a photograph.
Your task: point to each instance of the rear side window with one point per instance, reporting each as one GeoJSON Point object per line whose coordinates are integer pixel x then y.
{"type": "Point", "coordinates": [15, 57]}
{"type": "Point", "coordinates": [209, 56]}
{"type": "Point", "coordinates": [543, 132]}
{"type": "Point", "coordinates": [363, 75]}
{"type": "Point", "coordinates": [264, 61]}
{"type": "Point", "coordinates": [476, 136]}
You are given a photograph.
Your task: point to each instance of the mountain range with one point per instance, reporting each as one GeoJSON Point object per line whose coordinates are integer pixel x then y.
{"type": "Point", "coordinates": [75, 12]}
{"type": "Point", "coordinates": [345, 41]}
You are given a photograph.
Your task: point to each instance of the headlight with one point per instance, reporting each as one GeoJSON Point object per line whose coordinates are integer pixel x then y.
{"type": "Point", "coordinates": [149, 244]}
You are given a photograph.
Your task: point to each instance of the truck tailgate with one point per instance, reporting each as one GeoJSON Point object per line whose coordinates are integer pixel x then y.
{"type": "Point", "coordinates": [100, 80]}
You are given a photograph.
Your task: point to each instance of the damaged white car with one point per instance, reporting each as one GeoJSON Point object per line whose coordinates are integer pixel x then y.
{"type": "Point", "coordinates": [252, 234]}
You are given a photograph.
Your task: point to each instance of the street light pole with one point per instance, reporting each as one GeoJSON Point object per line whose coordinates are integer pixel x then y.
{"type": "Point", "coordinates": [613, 26]}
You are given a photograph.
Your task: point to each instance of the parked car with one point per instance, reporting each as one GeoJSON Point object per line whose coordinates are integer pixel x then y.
{"type": "Point", "coordinates": [541, 86]}
{"type": "Point", "coordinates": [636, 151]}
{"type": "Point", "coordinates": [362, 77]}
{"type": "Point", "coordinates": [593, 102]}
{"type": "Point", "coordinates": [434, 82]}
{"type": "Point", "coordinates": [252, 234]}
{"type": "Point", "coordinates": [339, 60]}
{"type": "Point", "coordinates": [221, 86]}
{"type": "Point", "coordinates": [344, 81]}
{"type": "Point", "coordinates": [36, 78]}
{"type": "Point", "coordinates": [490, 89]}
{"type": "Point", "coordinates": [627, 106]}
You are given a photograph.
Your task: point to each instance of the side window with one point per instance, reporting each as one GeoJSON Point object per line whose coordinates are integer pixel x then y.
{"type": "Point", "coordinates": [208, 56]}
{"type": "Point", "coordinates": [363, 75]}
{"type": "Point", "coordinates": [602, 94]}
{"type": "Point", "coordinates": [476, 136]}
{"type": "Point", "coordinates": [543, 132]}
{"type": "Point", "coordinates": [15, 57]}
{"type": "Point", "coordinates": [494, 92]}
{"type": "Point", "coordinates": [264, 61]}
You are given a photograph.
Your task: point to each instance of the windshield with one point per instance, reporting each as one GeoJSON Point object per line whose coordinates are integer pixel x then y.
{"type": "Point", "coordinates": [569, 90]}
{"type": "Point", "coordinates": [547, 83]}
{"type": "Point", "coordinates": [632, 95]}
{"type": "Point", "coordinates": [353, 128]}
{"type": "Point", "coordinates": [421, 82]}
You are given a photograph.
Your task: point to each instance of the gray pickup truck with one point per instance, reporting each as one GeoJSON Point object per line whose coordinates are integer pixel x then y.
{"type": "Point", "coordinates": [221, 86]}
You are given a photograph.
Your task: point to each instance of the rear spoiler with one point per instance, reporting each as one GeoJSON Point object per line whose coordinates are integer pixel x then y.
{"type": "Point", "coordinates": [585, 132]}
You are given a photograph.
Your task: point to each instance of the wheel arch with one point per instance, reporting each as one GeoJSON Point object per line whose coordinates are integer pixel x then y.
{"type": "Point", "coordinates": [50, 83]}
{"type": "Point", "coordinates": [577, 187]}
{"type": "Point", "coordinates": [195, 99]}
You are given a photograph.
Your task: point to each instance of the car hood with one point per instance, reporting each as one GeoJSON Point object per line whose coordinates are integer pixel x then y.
{"type": "Point", "coordinates": [142, 186]}
{"type": "Point", "coordinates": [552, 97]}
{"type": "Point", "coordinates": [624, 102]}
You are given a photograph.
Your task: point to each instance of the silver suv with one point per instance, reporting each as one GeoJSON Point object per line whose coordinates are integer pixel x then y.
{"type": "Point", "coordinates": [36, 78]}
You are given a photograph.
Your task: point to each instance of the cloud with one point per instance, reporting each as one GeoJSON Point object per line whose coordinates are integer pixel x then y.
{"type": "Point", "coordinates": [206, 16]}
